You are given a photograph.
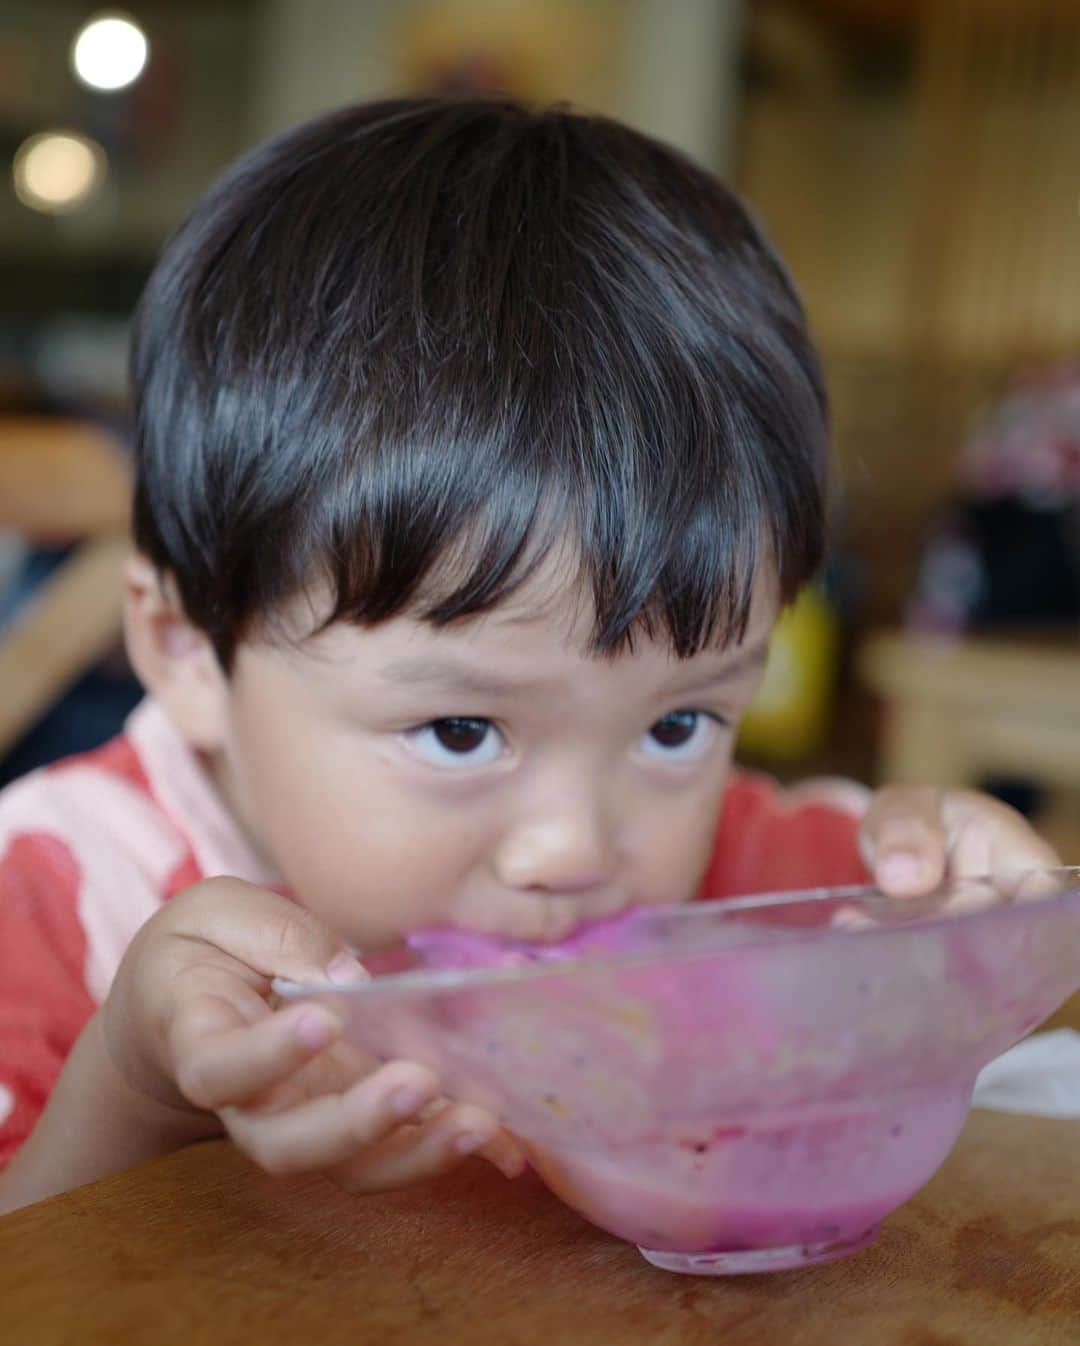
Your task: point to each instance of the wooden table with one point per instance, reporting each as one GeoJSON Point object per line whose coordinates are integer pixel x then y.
{"type": "Point", "coordinates": [200, 1248]}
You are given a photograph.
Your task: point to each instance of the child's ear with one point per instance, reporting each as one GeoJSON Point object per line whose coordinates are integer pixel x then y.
{"type": "Point", "coordinates": [174, 660]}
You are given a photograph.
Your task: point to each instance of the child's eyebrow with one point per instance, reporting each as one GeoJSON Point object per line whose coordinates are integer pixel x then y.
{"type": "Point", "coordinates": [443, 676]}
{"type": "Point", "coordinates": [743, 661]}
{"type": "Point", "coordinates": [433, 674]}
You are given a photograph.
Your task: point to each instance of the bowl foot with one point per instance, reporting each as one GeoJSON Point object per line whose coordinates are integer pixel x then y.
{"type": "Point", "coordinates": [754, 1260]}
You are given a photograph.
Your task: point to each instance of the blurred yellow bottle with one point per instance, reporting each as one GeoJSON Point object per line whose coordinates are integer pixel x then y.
{"type": "Point", "coordinates": [790, 716]}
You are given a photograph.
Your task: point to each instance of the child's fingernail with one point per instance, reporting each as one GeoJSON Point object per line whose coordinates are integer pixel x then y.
{"type": "Point", "coordinates": [343, 968]}
{"type": "Point", "coordinates": [314, 1028]}
{"type": "Point", "coordinates": [512, 1166]}
{"type": "Point", "coordinates": [409, 1098]}
{"type": "Point", "coordinates": [901, 869]}
{"type": "Point", "coordinates": [470, 1142]}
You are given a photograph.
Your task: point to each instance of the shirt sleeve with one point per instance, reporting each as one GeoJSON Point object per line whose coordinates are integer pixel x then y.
{"type": "Point", "coordinates": [86, 855]}
{"type": "Point", "coordinates": [772, 839]}
{"type": "Point", "coordinates": [44, 1001]}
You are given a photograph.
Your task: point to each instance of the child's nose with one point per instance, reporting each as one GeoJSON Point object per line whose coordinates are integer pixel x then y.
{"type": "Point", "coordinates": [571, 852]}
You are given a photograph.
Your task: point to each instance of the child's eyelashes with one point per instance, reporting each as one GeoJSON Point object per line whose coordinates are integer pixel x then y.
{"type": "Point", "coordinates": [463, 741]}
{"type": "Point", "coordinates": [456, 741]}
{"type": "Point", "coordinates": [681, 736]}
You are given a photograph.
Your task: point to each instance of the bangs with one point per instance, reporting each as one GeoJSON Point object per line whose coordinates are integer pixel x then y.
{"type": "Point", "coordinates": [646, 552]}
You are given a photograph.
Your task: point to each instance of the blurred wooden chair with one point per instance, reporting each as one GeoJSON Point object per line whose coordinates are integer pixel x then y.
{"type": "Point", "coordinates": [61, 482]}
{"type": "Point", "coordinates": [958, 712]}
{"type": "Point", "coordinates": [961, 712]}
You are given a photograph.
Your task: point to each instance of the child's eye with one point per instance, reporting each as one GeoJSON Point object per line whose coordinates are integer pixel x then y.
{"type": "Point", "coordinates": [456, 741]}
{"type": "Point", "coordinates": [681, 736]}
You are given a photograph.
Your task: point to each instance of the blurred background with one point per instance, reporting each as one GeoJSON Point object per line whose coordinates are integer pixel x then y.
{"type": "Point", "coordinates": [916, 164]}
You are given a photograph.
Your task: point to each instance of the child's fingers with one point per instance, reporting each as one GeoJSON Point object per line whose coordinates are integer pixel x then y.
{"type": "Point", "coordinates": [504, 1150]}
{"type": "Point", "coordinates": [916, 838]}
{"type": "Point", "coordinates": [328, 1131]}
{"type": "Point", "coordinates": [990, 838]}
{"type": "Point", "coordinates": [1033, 884]}
{"type": "Point", "coordinates": [220, 1058]}
{"type": "Point", "coordinates": [415, 1153]}
{"type": "Point", "coordinates": [904, 840]}
{"type": "Point", "coordinates": [852, 918]}
{"type": "Point", "coordinates": [507, 1153]}
{"type": "Point", "coordinates": [268, 933]}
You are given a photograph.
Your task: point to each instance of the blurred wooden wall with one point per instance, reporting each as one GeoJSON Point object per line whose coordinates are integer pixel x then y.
{"type": "Point", "coordinates": [919, 166]}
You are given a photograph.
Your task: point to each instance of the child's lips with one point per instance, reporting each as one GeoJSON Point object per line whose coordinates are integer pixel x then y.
{"type": "Point", "coordinates": [548, 918]}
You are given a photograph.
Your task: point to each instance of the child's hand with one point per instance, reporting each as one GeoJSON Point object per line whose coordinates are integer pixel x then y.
{"type": "Point", "coordinates": [914, 838]}
{"type": "Point", "coordinates": [189, 1023]}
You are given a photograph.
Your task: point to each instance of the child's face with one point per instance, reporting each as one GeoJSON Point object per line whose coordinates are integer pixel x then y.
{"type": "Point", "coordinates": [490, 775]}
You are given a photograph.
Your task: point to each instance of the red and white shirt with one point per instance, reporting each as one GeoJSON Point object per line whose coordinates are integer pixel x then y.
{"type": "Point", "coordinates": [91, 847]}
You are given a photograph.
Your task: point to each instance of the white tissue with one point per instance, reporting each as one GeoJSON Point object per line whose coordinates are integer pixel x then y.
{"type": "Point", "coordinates": [1039, 1076]}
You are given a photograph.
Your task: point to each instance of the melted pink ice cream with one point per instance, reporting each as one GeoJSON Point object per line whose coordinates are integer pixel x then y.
{"type": "Point", "coordinates": [773, 1177]}
{"type": "Point", "coordinates": [777, 1183]}
{"type": "Point", "coordinates": [448, 948]}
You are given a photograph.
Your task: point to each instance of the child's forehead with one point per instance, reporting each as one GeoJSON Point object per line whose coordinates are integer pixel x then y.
{"type": "Point", "coordinates": [542, 630]}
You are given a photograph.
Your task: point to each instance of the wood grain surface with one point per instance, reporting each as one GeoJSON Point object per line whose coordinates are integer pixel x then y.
{"type": "Point", "coordinates": [200, 1247]}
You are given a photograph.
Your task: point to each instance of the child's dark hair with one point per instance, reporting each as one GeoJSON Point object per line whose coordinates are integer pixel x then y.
{"type": "Point", "coordinates": [404, 347]}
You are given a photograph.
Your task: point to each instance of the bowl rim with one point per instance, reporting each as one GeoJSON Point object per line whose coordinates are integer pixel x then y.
{"type": "Point", "coordinates": [424, 980]}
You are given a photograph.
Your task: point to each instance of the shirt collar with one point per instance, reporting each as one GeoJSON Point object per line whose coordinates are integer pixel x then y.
{"type": "Point", "coordinates": [185, 792]}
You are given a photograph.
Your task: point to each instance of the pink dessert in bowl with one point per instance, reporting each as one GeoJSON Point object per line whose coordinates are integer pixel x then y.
{"type": "Point", "coordinates": [743, 1085]}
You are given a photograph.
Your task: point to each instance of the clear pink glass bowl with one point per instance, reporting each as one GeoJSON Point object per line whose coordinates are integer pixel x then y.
{"type": "Point", "coordinates": [741, 1085]}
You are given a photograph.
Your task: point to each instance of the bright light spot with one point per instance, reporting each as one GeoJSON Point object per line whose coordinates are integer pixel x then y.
{"type": "Point", "coordinates": [57, 171]}
{"type": "Point", "coordinates": [109, 52]}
